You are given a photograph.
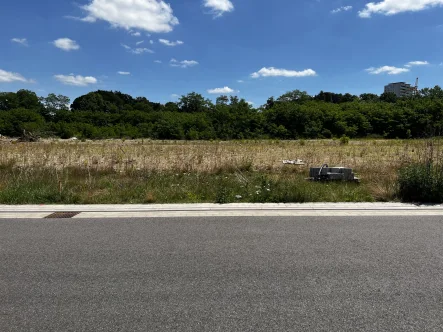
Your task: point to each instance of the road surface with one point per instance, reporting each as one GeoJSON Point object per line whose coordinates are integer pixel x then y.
{"type": "Point", "coordinates": [222, 274]}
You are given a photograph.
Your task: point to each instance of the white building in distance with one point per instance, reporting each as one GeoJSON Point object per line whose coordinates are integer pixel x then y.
{"type": "Point", "coordinates": [401, 89]}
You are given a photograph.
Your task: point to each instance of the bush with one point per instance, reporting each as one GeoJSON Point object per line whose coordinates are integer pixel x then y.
{"type": "Point", "coordinates": [344, 140]}
{"type": "Point", "coordinates": [421, 183]}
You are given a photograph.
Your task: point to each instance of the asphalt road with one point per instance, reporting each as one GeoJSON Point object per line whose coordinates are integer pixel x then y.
{"type": "Point", "coordinates": [222, 274]}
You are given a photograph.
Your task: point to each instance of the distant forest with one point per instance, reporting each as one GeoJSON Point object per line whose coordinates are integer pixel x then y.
{"type": "Point", "coordinates": [294, 115]}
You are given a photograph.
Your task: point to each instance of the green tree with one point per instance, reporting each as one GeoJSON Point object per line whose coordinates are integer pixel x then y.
{"type": "Point", "coordinates": [388, 97]}
{"type": "Point", "coordinates": [28, 100]}
{"type": "Point", "coordinates": [222, 100]}
{"type": "Point", "coordinates": [270, 103]}
{"type": "Point", "coordinates": [53, 104]}
{"type": "Point", "coordinates": [92, 102]}
{"type": "Point", "coordinates": [171, 107]}
{"type": "Point", "coordinates": [295, 96]}
{"type": "Point", "coordinates": [194, 102]}
{"type": "Point", "coordinates": [8, 101]}
{"type": "Point", "coordinates": [369, 97]}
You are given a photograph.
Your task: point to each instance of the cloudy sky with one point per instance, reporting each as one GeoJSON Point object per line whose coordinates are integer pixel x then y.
{"type": "Point", "coordinates": [252, 48]}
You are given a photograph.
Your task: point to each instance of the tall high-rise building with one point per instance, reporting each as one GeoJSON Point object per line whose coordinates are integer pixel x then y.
{"type": "Point", "coordinates": [401, 89]}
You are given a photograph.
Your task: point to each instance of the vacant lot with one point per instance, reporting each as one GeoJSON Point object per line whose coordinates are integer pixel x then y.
{"type": "Point", "coordinates": [147, 171]}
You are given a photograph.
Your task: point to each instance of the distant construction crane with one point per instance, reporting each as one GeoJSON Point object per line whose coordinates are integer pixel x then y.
{"type": "Point", "coordinates": [415, 89]}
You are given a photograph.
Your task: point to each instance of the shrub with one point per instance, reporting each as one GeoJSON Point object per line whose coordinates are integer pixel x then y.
{"type": "Point", "coordinates": [222, 195]}
{"type": "Point", "coordinates": [421, 183]}
{"type": "Point", "coordinates": [344, 140]}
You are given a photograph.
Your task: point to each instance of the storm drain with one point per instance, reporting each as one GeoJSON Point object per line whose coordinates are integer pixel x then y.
{"type": "Point", "coordinates": [62, 215]}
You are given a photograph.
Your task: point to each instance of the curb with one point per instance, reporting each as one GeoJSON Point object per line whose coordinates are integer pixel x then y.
{"type": "Point", "coordinates": [214, 210]}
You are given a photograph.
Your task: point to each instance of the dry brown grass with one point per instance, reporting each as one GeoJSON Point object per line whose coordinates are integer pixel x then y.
{"type": "Point", "coordinates": [375, 161]}
{"type": "Point", "coordinates": [209, 156]}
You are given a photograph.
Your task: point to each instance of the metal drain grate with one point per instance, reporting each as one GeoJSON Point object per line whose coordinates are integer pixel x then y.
{"type": "Point", "coordinates": [62, 215]}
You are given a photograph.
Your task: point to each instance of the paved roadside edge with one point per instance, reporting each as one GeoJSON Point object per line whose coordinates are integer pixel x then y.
{"type": "Point", "coordinates": [208, 210]}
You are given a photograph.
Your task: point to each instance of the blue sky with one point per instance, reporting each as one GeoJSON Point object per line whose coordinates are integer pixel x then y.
{"type": "Point", "coordinates": [252, 48]}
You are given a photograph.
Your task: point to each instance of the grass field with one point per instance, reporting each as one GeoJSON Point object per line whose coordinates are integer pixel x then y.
{"type": "Point", "coordinates": [145, 171]}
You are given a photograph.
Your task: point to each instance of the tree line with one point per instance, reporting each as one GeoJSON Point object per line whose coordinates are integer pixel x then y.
{"type": "Point", "coordinates": [294, 115]}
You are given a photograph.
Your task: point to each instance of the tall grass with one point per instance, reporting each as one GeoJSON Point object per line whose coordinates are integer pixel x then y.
{"type": "Point", "coordinates": [91, 186]}
{"type": "Point", "coordinates": [144, 171]}
{"type": "Point", "coordinates": [422, 182]}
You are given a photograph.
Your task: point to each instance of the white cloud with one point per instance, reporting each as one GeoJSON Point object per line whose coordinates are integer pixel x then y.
{"type": "Point", "coordinates": [134, 33]}
{"type": "Point", "coordinates": [390, 70]}
{"type": "Point", "coordinates": [170, 43]}
{"type": "Point", "coordinates": [188, 63]}
{"type": "Point", "coordinates": [139, 42]}
{"type": "Point", "coordinates": [393, 7]}
{"type": "Point", "coordinates": [8, 77]}
{"type": "Point", "coordinates": [76, 80]}
{"type": "Point", "coordinates": [22, 41]}
{"type": "Point", "coordinates": [417, 63]}
{"type": "Point", "coordinates": [274, 72]}
{"type": "Point", "coordinates": [250, 103]}
{"type": "Point", "coordinates": [88, 19]}
{"type": "Point", "coordinates": [151, 42]}
{"type": "Point", "coordinates": [183, 64]}
{"type": "Point", "coordinates": [174, 95]}
{"type": "Point", "coordinates": [219, 7]}
{"type": "Point", "coordinates": [123, 73]}
{"type": "Point", "coordinates": [66, 44]}
{"type": "Point", "coordinates": [137, 50]}
{"type": "Point", "coordinates": [157, 61]}
{"type": "Point", "coordinates": [141, 50]}
{"type": "Point", "coordinates": [220, 91]}
{"type": "Point", "coordinates": [341, 9]}
{"type": "Point", "coordinates": [147, 15]}
{"type": "Point", "coordinates": [240, 81]}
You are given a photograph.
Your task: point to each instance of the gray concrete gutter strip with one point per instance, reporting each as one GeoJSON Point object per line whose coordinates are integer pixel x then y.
{"type": "Point", "coordinates": [236, 209]}
{"type": "Point", "coordinates": [216, 207]}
